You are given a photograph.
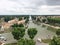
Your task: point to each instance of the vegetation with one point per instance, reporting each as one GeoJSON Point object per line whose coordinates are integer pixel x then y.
{"type": "Point", "coordinates": [52, 29]}
{"type": "Point", "coordinates": [33, 17]}
{"type": "Point", "coordinates": [58, 32]}
{"type": "Point", "coordinates": [26, 17]}
{"type": "Point", "coordinates": [32, 32]}
{"type": "Point", "coordinates": [25, 42]}
{"type": "Point", "coordinates": [26, 20]}
{"type": "Point", "coordinates": [18, 32]}
{"type": "Point", "coordinates": [54, 20]}
{"type": "Point", "coordinates": [20, 18]}
{"type": "Point", "coordinates": [43, 20]}
{"type": "Point", "coordinates": [38, 20]}
{"type": "Point", "coordinates": [46, 40]}
{"type": "Point", "coordinates": [20, 25]}
{"type": "Point", "coordinates": [55, 41]}
{"type": "Point", "coordinates": [6, 19]}
{"type": "Point", "coordinates": [16, 25]}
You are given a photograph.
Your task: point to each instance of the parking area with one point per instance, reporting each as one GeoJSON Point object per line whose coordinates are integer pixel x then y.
{"type": "Point", "coordinates": [9, 38]}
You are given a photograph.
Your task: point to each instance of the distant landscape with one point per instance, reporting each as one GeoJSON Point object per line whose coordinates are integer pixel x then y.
{"type": "Point", "coordinates": [29, 29]}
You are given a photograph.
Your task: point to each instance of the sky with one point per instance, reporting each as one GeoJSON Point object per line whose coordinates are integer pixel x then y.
{"type": "Point", "coordinates": [29, 7]}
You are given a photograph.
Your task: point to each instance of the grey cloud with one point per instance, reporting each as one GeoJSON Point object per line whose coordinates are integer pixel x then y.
{"type": "Point", "coordinates": [58, 8]}
{"type": "Point", "coordinates": [53, 2]}
{"type": "Point", "coordinates": [13, 0]}
{"type": "Point", "coordinates": [29, 6]}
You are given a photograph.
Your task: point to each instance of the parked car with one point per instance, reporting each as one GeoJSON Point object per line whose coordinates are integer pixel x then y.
{"type": "Point", "coordinates": [2, 38]}
{"type": "Point", "coordinates": [39, 40]}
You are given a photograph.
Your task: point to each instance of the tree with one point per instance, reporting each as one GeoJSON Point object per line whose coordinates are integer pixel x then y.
{"type": "Point", "coordinates": [58, 32]}
{"type": "Point", "coordinates": [25, 42]}
{"type": "Point", "coordinates": [43, 20]}
{"type": "Point", "coordinates": [32, 32]}
{"type": "Point", "coordinates": [20, 18]}
{"type": "Point", "coordinates": [33, 17]}
{"type": "Point", "coordinates": [55, 41]}
{"type": "Point", "coordinates": [26, 20]}
{"type": "Point", "coordinates": [31, 42]}
{"type": "Point", "coordinates": [16, 25]}
{"type": "Point", "coordinates": [38, 20]}
{"type": "Point", "coordinates": [18, 32]}
{"type": "Point", "coordinates": [21, 25]}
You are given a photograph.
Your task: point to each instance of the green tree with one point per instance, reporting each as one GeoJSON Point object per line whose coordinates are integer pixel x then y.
{"type": "Point", "coordinates": [20, 18]}
{"type": "Point", "coordinates": [33, 17]}
{"type": "Point", "coordinates": [16, 25]}
{"type": "Point", "coordinates": [55, 41]}
{"type": "Point", "coordinates": [27, 20]}
{"type": "Point", "coordinates": [38, 20]}
{"type": "Point", "coordinates": [25, 42]}
{"type": "Point", "coordinates": [32, 32]}
{"type": "Point", "coordinates": [21, 25]}
{"type": "Point", "coordinates": [18, 32]}
{"type": "Point", "coordinates": [43, 20]}
{"type": "Point", "coordinates": [58, 32]}
{"type": "Point", "coordinates": [31, 42]}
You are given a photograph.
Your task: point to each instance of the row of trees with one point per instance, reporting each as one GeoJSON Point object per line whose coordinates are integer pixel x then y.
{"type": "Point", "coordinates": [33, 17]}
{"type": "Point", "coordinates": [53, 20]}
{"type": "Point", "coordinates": [7, 18]}
{"type": "Point", "coordinates": [17, 25]}
{"type": "Point", "coordinates": [27, 19]}
{"type": "Point", "coordinates": [19, 32]}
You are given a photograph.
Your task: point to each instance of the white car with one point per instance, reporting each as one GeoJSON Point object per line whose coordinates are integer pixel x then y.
{"type": "Point", "coordinates": [39, 40]}
{"type": "Point", "coordinates": [0, 35]}
{"type": "Point", "coordinates": [2, 38]}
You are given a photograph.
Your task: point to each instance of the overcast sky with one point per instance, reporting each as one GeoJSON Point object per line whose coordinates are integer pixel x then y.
{"type": "Point", "coordinates": [39, 7]}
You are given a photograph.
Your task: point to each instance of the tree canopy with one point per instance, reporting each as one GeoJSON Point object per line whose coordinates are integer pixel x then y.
{"type": "Point", "coordinates": [25, 42]}
{"type": "Point", "coordinates": [32, 32]}
{"type": "Point", "coordinates": [55, 41]}
{"type": "Point", "coordinates": [18, 32]}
